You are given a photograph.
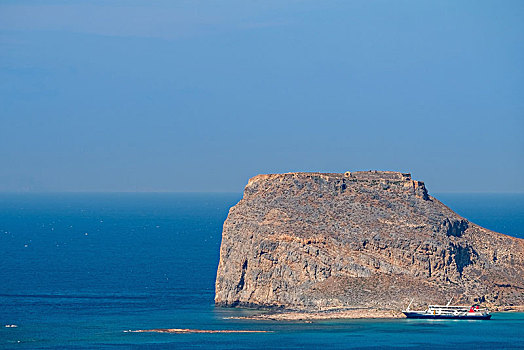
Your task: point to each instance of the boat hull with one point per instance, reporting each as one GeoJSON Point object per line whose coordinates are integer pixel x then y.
{"type": "Point", "coordinates": [446, 317]}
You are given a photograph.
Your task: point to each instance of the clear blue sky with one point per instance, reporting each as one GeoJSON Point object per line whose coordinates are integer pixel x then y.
{"type": "Point", "coordinates": [201, 95]}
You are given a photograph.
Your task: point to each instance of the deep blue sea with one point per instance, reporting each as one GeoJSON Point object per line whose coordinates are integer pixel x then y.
{"type": "Point", "coordinates": [76, 270]}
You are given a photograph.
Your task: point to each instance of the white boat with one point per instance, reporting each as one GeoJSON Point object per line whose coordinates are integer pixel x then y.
{"type": "Point", "coordinates": [449, 312]}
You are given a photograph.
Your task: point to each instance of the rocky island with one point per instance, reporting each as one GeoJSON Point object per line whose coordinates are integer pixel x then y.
{"type": "Point", "coordinates": [368, 241]}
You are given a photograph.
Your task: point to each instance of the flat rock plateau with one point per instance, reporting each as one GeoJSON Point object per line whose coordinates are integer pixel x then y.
{"type": "Point", "coordinates": [372, 240]}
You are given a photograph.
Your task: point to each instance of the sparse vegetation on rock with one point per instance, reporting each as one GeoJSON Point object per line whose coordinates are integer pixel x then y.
{"type": "Point", "coordinates": [315, 241]}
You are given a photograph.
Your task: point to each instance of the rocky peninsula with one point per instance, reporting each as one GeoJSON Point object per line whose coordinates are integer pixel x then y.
{"type": "Point", "coordinates": [370, 240]}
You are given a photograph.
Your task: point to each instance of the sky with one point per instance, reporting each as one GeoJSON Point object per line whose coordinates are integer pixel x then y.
{"type": "Point", "coordinates": [199, 96]}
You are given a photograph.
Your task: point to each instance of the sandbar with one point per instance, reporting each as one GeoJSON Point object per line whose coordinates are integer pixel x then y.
{"type": "Point", "coordinates": [185, 330]}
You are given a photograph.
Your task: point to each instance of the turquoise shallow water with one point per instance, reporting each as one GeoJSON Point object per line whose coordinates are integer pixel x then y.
{"type": "Point", "coordinates": [76, 270]}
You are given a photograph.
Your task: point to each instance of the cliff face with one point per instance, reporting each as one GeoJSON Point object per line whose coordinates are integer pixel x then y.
{"type": "Point", "coordinates": [362, 239]}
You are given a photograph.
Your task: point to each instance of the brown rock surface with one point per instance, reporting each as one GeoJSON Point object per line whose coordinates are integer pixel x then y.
{"type": "Point", "coordinates": [311, 241]}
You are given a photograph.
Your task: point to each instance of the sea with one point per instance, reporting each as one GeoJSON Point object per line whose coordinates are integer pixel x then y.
{"type": "Point", "coordinates": [77, 271]}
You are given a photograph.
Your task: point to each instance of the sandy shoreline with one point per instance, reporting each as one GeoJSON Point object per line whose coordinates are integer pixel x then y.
{"type": "Point", "coordinates": [345, 314]}
{"type": "Point", "coordinates": [305, 316]}
{"type": "Point", "coordinates": [325, 315]}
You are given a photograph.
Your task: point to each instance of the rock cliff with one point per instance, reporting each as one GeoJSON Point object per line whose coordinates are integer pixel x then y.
{"type": "Point", "coordinates": [315, 241]}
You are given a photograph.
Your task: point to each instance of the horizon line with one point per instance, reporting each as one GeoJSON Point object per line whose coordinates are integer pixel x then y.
{"type": "Point", "coordinates": [216, 192]}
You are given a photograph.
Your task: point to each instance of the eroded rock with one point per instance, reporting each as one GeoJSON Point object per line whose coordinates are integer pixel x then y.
{"type": "Point", "coordinates": [373, 239]}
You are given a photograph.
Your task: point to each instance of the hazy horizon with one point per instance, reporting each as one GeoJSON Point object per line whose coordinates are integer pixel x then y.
{"type": "Point", "coordinates": [240, 193]}
{"type": "Point", "coordinates": [197, 96]}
